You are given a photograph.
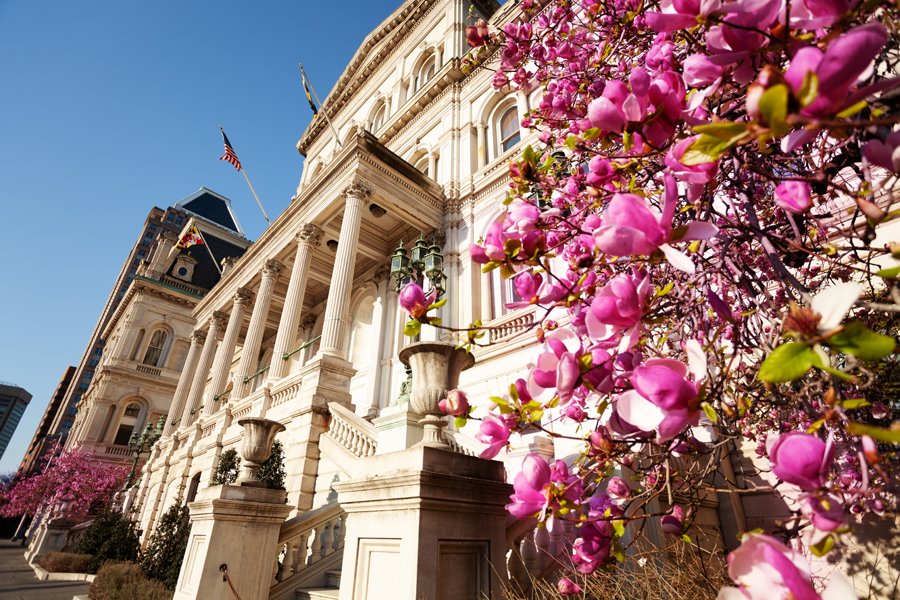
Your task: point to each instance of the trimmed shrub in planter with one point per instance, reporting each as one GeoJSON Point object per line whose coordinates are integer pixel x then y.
{"type": "Point", "coordinates": [65, 562]}
{"type": "Point", "coordinates": [112, 536]}
{"type": "Point", "coordinates": [125, 581]}
{"type": "Point", "coordinates": [165, 550]}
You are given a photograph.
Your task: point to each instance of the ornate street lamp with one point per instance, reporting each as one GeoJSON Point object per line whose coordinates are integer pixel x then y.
{"type": "Point", "coordinates": [139, 445]}
{"type": "Point", "coordinates": [424, 261]}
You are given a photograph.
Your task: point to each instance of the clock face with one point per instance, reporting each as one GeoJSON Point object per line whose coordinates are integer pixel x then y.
{"type": "Point", "coordinates": [182, 271]}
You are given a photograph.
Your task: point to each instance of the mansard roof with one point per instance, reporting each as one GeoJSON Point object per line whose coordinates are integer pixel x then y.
{"type": "Point", "coordinates": [371, 55]}
{"type": "Point", "coordinates": [212, 207]}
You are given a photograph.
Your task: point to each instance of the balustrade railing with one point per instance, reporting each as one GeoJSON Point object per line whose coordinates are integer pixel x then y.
{"type": "Point", "coordinates": [351, 431]}
{"type": "Point", "coordinates": [307, 539]}
{"type": "Point", "coordinates": [537, 552]}
{"type": "Point", "coordinates": [285, 390]}
{"type": "Point", "coordinates": [117, 450]}
{"type": "Point", "coordinates": [510, 325]}
{"type": "Point", "coordinates": [463, 444]}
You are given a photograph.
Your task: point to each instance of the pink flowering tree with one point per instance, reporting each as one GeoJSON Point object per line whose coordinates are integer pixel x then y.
{"type": "Point", "coordinates": [72, 485]}
{"type": "Point", "coordinates": [694, 229]}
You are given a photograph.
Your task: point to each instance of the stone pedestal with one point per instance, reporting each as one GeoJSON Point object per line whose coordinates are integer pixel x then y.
{"type": "Point", "coordinates": [424, 523]}
{"type": "Point", "coordinates": [50, 537]}
{"type": "Point", "coordinates": [237, 526]}
{"type": "Point", "coordinates": [398, 428]}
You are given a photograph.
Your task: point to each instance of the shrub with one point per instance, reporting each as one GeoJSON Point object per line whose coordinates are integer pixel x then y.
{"type": "Point", "coordinates": [112, 536]}
{"type": "Point", "coordinates": [125, 581]}
{"type": "Point", "coordinates": [227, 469]}
{"type": "Point", "coordinates": [65, 562]}
{"type": "Point", "coordinates": [166, 547]}
{"type": "Point", "coordinates": [271, 472]}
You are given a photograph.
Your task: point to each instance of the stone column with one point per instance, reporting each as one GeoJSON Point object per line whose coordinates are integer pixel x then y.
{"type": "Point", "coordinates": [522, 106]}
{"type": "Point", "coordinates": [216, 322]}
{"type": "Point", "coordinates": [432, 166]}
{"type": "Point", "coordinates": [247, 367]}
{"type": "Point", "coordinates": [482, 149]}
{"type": "Point", "coordinates": [307, 238]}
{"type": "Point", "coordinates": [373, 379]}
{"type": "Point", "coordinates": [225, 354]}
{"type": "Point", "coordinates": [184, 382]}
{"type": "Point", "coordinates": [357, 194]}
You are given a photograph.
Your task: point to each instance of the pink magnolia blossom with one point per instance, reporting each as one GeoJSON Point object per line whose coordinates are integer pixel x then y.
{"type": "Point", "coordinates": [567, 588]}
{"type": "Point", "coordinates": [766, 569]}
{"type": "Point", "coordinates": [556, 370]}
{"type": "Point", "coordinates": [535, 288]}
{"type": "Point", "coordinates": [671, 523]}
{"type": "Point", "coordinates": [884, 154]}
{"type": "Point", "coordinates": [631, 226]}
{"type": "Point", "coordinates": [493, 248]}
{"type": "Point", "coordinates": [825, 512]}
{"type": "Point", "coordinates": [700, 71]}
{"type": "Point", "coordinates": [531, 485]}
{"type": "Point", "coordinates": [456, 403]}
{"type": "Point", "coordinates": [800, 458]}
{"type": "Point", "coordinates": [495, 433]}
{"type": "Point", "coordinates": [592, 549]}
{"type": "Point", "coordinates": [413, 300]}
{"type": "Point", "coordinates": [617, 488]}
{"type": "Point", "coordinates": [618, 307]}
{"type": "Point", "coordinates": [793, 196]}
{"type": "Point", "coordinates": [702, 173]}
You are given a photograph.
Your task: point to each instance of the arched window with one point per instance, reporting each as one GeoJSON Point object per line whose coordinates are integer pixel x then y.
{"type": "Point", "coordinates": [378, 121]}
{"type": "Point", "coordinates": [127, 424]}
{"type": "Point", "coordinates": [508, 130]}
{"type": "Point", "coordinates": [425, 74]}
{"type": "Point", "coordinates": [154, 352]}
{"type": "Point", "coordinates": [422, 166]}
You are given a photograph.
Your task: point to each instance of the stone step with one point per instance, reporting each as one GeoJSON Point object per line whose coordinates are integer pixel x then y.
{"type": "Point", "coordinates": [318, 594]}
{"type": "Point", "coordinates": [333, 579]}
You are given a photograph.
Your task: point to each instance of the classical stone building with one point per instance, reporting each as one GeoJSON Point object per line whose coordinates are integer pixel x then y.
{"type": "Point", "coordinates": [149, 337]}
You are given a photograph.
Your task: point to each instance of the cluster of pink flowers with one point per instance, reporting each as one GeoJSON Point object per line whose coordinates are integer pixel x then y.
{"type": "Point", "coordinates": [673, 242]}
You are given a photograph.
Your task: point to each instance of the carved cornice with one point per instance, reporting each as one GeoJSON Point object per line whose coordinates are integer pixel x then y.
{"type": "Point", "coordinates": [242, 297]}
{"type": "Point", "coordinates": [358, 188]}
{"type": "Point", "coordinates": [308, 321]}
{"type": "Point", "coordinates": [272, 268]}
{"type": "Point", "coordinates": [310, 234]}
{"type": "Point", "coordinates": [145, 289]}
{"type": "Point", "coordinates": [198, 337]}
{"type": "Point", "coordinates": [381, 273]}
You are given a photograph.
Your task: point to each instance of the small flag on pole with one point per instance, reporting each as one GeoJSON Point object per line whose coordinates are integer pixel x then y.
{"type": "Point", "coordinates": [308, 97]}
{"type": "Point", "coordinates": [230, 156]}
{"type": "Point", "coordinates": [191, 238]}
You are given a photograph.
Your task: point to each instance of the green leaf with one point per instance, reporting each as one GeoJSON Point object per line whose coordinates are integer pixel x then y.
{"type": "Point", "coordinates": [815, 426]}
{"type": "Point", "coordinates": [852, 110]}
{"type": "Point", "coordinates": [438, 304]}
{"type": "Point", "coordinates": [572, 142]}
{"type": "Point", "coordinates": [663, 291]}
{"type": "Point", "coordinates": [773, 106]}
{"type": "Point", "coordinates": [412, 328]}
{"type": "Point", "coordinates": [710, 412]}
{"type": "Point", "coordinates": [823, 547]}
{"type": "Point", "coordinates": [862, 342]}
{"type": "Point", "coordinates": [882, 435]}
{"type": "Point", "coordinates": [855, 403]}
{"type": "Point", "coordinates": [809, 91]}
{"type": "Point", "coordinates": [619, 528]}
{"type": "Point", "coordinates": [705, 149]}
{"type": "Point", "coordinates": [435, 321]}
{"type": "Point", "coordinates": [723, 131]}
{"type": "Point", "coordinates": [460, 422]}
{"type": "Point", "coordinates": [619, 553]}
{"type": "Point", "coordinates": [889, 273]}
{"type": "Point", "coordinates": [787, 362]}
{"type": "Point", "coordinates": [686, 538]}
{"type": "Point", "coordinates": [488, 267]}
{"type": "Point", "coordinates": [530, 156]}
{"type": "Point", "coordinates": [591, 134]}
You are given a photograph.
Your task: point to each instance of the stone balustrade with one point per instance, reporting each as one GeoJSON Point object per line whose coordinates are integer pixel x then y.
{"type": "Point", "coordinates": [537, 552]}
{"type": "Point", "coordinates": [510, 325]}
{"type": "Point", "coordinates": [352, 432]}
{"type": "Point", "coordinates": [303, 542]}
{"type": "Point", "coordinates": [463, 444]}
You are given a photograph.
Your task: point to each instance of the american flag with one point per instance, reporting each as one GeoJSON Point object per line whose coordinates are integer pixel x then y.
{"type": "Point", "coordinates": [230, 156]}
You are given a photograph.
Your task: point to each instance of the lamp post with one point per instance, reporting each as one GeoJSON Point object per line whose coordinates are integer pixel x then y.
{"type": "Point", "coordinates": [423, 262]}
{"type": "Point", "coordinates": [139, 445]}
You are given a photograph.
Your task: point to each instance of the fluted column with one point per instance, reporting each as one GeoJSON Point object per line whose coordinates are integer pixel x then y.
{"type": "Point", "coordinates": [216, 323]}
{"type": "Point", "coordinates": [357, 194]}
{"type": "Point", "coordinates": [184, 382]}
{"type": "Point", "coordinates": [432, 166]}
{"type": "Point", "coordinates": [522, 109]}
{"type": "Point", "coordinates": [225, 354]}
{"type": "Point", "coordinates": [482, 149]}
{"type": "Point", "coordinates": [307, 239]}
{"type": "Point", "coordinates": [247, 367]}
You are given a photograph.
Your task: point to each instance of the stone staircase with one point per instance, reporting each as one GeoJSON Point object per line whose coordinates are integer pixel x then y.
{"type": "Point", "coordinates": [331, 591]}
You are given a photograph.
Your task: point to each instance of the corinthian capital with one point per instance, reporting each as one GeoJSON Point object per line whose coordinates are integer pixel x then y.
{"type": "Point", "coordinates": [358, 188]}
{"type": "Point", "coordinates": [272, 268]}
{"type": "Point", "coordinates": [218, 320]}
{"type": "Point", "coordinates": [310, 234]}
{"type": "Point", "coordinates": [198, 337]}
{"type": "Point", "coordinates": [242, 297]}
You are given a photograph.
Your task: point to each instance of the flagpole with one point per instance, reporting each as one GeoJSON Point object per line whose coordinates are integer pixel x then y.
{"type": "Point", "coordinates": [244, 171]}
{"type": "Point", "coordinates": [324, 112]}
{"type": "Point", "coordinates": [208, 249]}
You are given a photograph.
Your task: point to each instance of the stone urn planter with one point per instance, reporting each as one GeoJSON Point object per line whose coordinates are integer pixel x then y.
{"type": "Point", "coordinates": [256, 447]}
{"type": "Point", "coordinates": [435, 371]}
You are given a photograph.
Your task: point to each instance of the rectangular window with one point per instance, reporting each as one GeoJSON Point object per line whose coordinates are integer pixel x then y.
{"type": "Point", "coordinates": [178, 221]}
{"type": "Point", "coordinates": [170, 218]}
{"type": "Point", "coordinates": [76, 399]}
{"type": "Point", "coordinates": [152, 227]}
{"type": "Point", "coordinates": [141, 254]}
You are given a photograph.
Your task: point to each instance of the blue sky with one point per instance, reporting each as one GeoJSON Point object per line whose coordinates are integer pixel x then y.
{"type": "Point", "coordinates": [110, 108]}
